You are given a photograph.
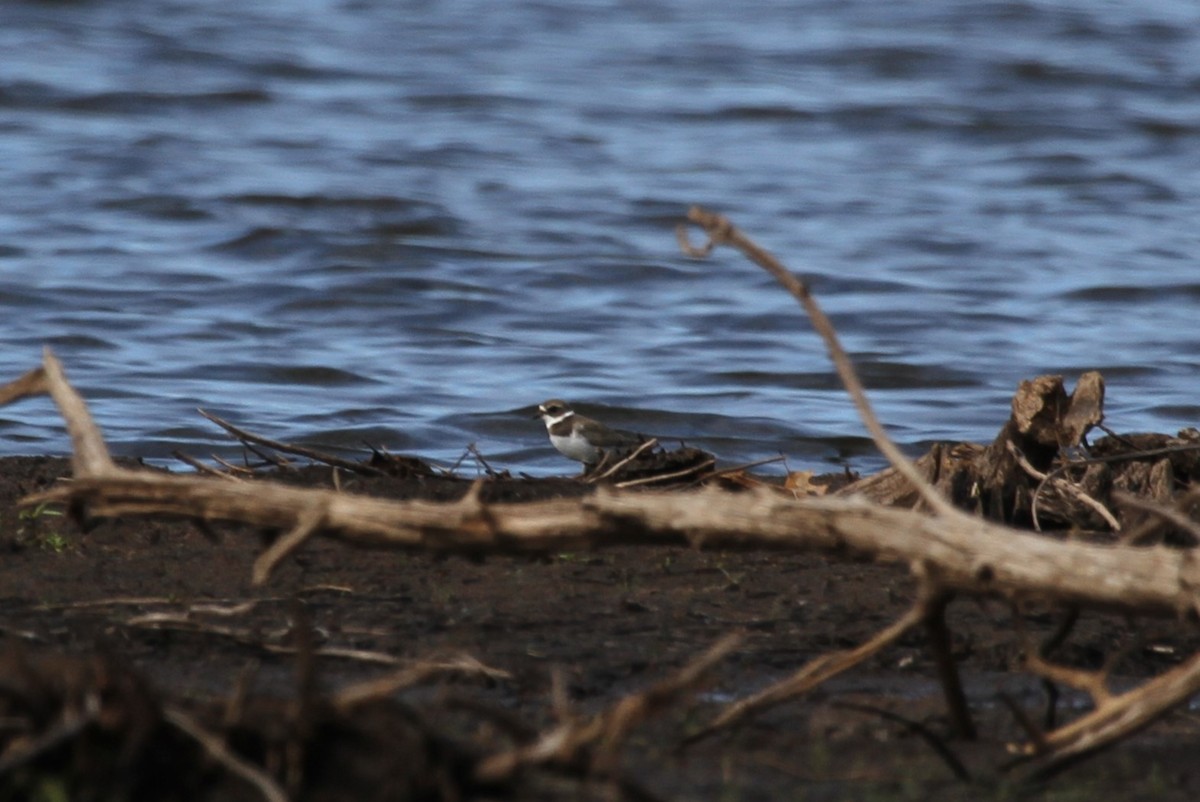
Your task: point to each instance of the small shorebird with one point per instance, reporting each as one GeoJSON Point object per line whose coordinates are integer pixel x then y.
{"type": "Point", "coordinates": [581, 438]}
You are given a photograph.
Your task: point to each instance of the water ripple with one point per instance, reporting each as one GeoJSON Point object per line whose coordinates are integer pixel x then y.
{"type": "Point", "coordinates": [284, 217]}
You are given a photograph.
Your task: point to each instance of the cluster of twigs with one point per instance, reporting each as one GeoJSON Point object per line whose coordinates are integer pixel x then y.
{"type": "Point", "coordinates": [952, 552]}
{"type": "Point", "coordinates": [98, 706]}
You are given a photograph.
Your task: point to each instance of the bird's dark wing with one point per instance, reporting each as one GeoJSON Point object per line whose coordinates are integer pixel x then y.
{"type": "Point", "coordinates": [616, 438]}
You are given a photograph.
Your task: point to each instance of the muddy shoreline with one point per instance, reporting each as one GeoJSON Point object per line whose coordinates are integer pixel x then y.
{"type": "Point", "coordinates": [172, 603]}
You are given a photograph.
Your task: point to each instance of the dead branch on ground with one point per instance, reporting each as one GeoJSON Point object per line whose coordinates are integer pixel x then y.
{"type": "Point", "coordinates": [594, 743]}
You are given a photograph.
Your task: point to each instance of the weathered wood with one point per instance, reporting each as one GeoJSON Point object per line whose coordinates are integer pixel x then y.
{"type": "Point", "coordinates": [979, 559]}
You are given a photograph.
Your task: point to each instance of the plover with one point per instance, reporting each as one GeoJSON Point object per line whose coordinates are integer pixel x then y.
{"type": "Point", "coordinates": [581, 438]}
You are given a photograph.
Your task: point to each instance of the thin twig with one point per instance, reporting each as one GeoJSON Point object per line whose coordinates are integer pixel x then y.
{"type": "Point", "coordinates": [207, 470]}
{"type": "Point", "coordinates": [817, 671]}
{"type": "Point", "coordinates": [218, 751]}
{"type": "Point", "coordinates": [233, 469]}
{"type": "Point", "coordinates": [597, 739]}
{"type": "Point", "coordinates": [182, 622]}
{"type": "Point", "coordinates": [721, 231]}
{"type": "Point", "coordinates": [937, 743]}
{"type": "Point", "coordinates": [308, 523]}
{"type": "Point", "coordinates": [746, 466]}
{"type": "Point", "coordinates": [651, 443]}
{"type": "Point", "coordinates": [947, 669]}
{"type": "Point", "coordinates": [70, 724]}
{"type": "Point", "coordinates": [1032, 731]}
{"type": "Point", "coordinates": [249, 438]}
{"type": "Point", "coordinates": [1063, 484]}
{"type": "Point", "coordinates": [380, 687]}
{"type": "Point", "coordinates": [662, 477]}
{"type": "Point", "coordinates": [1117, 718]}
{"type": "Point", "coordinates": [474, 451]}
{"type": "Point", "coordinates": [1093, 683]}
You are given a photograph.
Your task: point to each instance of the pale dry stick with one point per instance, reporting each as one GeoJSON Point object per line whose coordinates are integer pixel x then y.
{"type": "Point", "coordinates": [27, 385]}
{"type": "Point", "coordinates": [1118, 718]}
{"type": "Point", "coordinates": [1093, 683]}
{"type": "Point", "coordinates": [23, 634]}
{"type": "Point", "coordinates": [381, 687]}
{"type": "Point", "coordinates": [632, 710]}
{"type": "Point", "coordinates": [70, 723]}
{"type": "Point", "coordinates": [234, 469]}
{"type": "Point", "coordinates": [357, 655]}
{"type": "Point", "coordinates": [113, 601]}
{"type": "Point", "coordinates": [979, 558]}
{"type": "Point", "coordinates": [207, 470]}
{"type": "Point", "coordinates": [568, 742]}
{"type": "Point", "coordinates": [630, 457]}
{"type": "Point", "coordinates": [1046, 478]}
{"type": "Point", "coordinates": [218, 751]}
{"type": "Point", "coordinates": [183, 622]}
{"type": "Point", "coordinates": [720, 231]}
{"type": "Point", "coordinates": [221, 611]}
{"type": "Point", "coordinates": [819, 669]}
{"type": "Point", "coordinates": [747, 466]}
{"type": "Point", "coordinates": [309, 522]}
{"type": "Point", "coordinates": [89, 454]}
{"type": "Point", "coordinates": [662, 477]}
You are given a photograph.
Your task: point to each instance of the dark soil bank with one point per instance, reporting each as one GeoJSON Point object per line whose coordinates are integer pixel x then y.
{"type": "Point", "coordinates": [105, 630]}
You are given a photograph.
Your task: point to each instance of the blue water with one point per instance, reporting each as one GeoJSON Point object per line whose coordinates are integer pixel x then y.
{"type": "Point", "coordinates": [405, 224]}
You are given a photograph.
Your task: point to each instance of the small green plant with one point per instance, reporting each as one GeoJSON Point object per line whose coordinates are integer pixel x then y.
{"type": "Point", "coordinates": [42, 510]}
{"type": "Point", "coordinates": [35, 527]}
{"type": "Point", "coordinates": [55, 542]}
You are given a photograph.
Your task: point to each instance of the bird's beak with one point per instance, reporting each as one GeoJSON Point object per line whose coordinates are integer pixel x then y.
{"type": "Point", "coordinates": [537, 414]}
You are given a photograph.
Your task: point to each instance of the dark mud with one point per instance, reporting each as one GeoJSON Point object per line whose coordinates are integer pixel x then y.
{"type": "Point", "coordinates": [77, 613]}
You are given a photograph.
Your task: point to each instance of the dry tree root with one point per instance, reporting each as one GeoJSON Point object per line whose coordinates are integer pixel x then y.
{"type": "Point", "coordinates": [94, 726]}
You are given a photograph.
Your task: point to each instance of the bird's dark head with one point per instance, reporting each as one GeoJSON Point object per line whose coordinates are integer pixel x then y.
{"type": "Point", "coordinates": [553, 410]}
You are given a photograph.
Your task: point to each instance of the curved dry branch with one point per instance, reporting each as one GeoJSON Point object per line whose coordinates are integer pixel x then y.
{"type": "Point", "coordinates": [817, 671]}
{"type": "Point", "coordinates": [720, 231]}
{"type": "Point", "coordinates": [1115, 718]}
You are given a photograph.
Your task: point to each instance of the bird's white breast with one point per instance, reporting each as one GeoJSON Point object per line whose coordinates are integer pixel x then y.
{"type": "Point", "coordinates": [575, 447]}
